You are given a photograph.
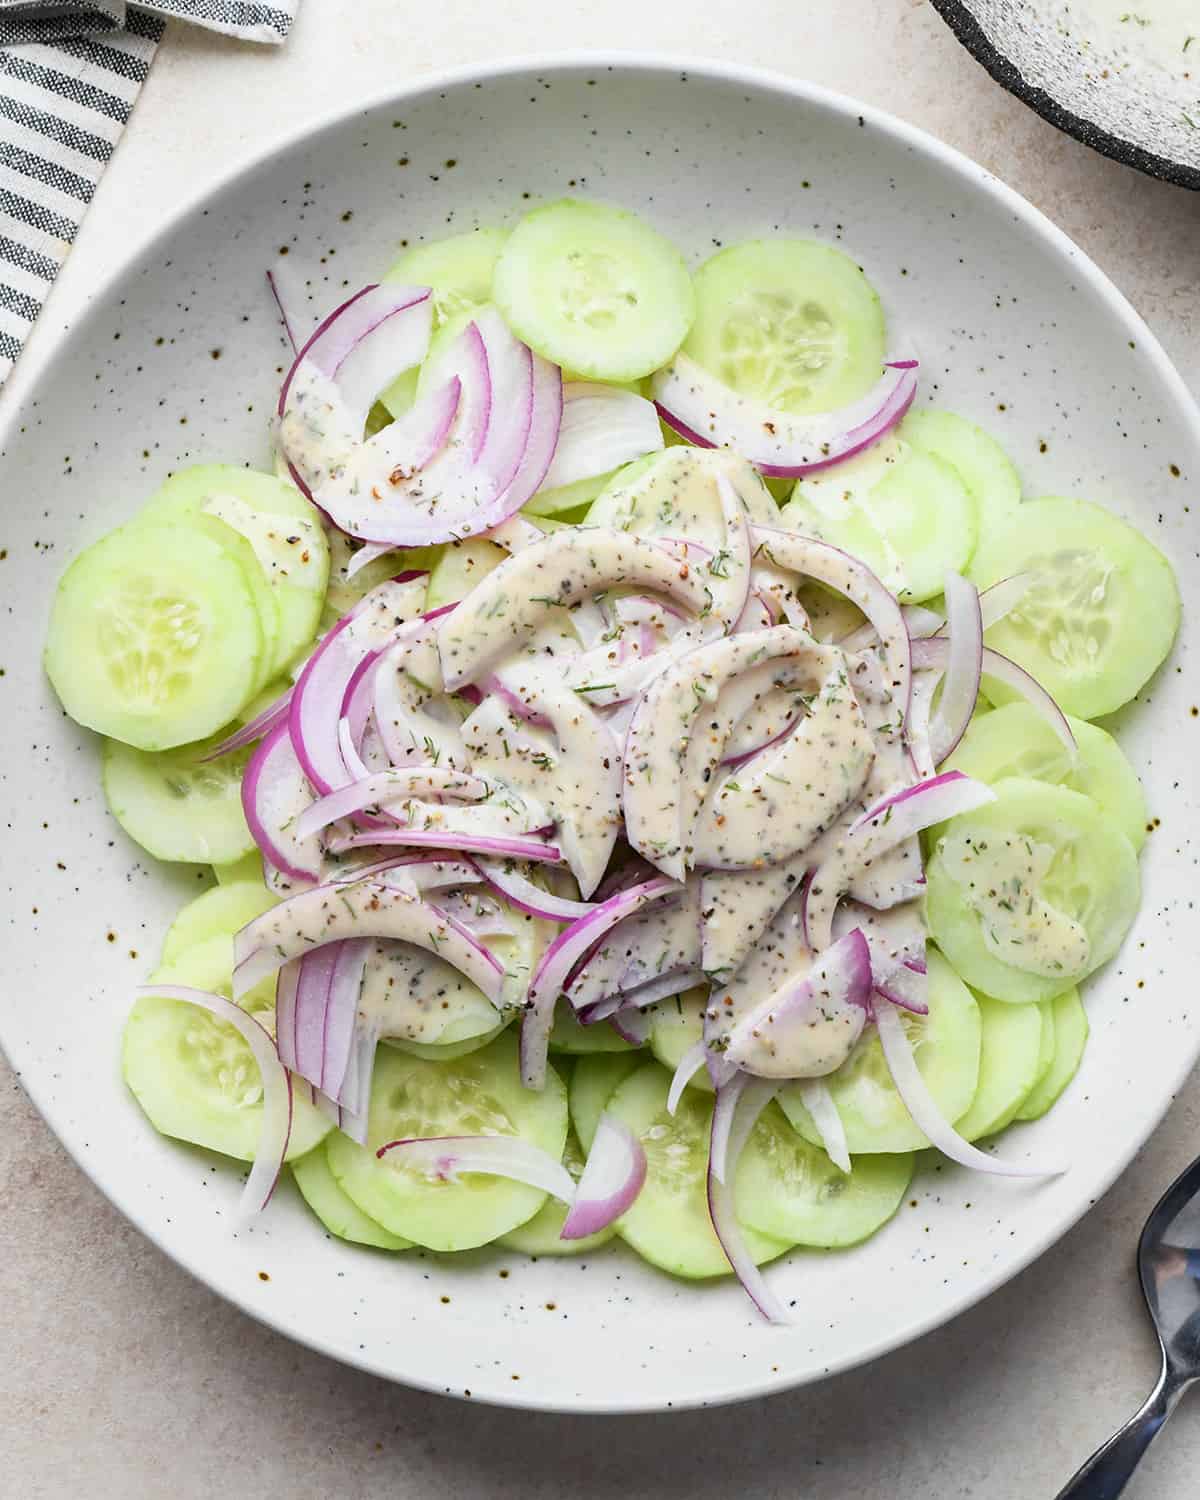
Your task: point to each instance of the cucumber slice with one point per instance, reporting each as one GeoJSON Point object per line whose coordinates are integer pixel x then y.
{"type": "Point", "coordinates": [1046, 1047]}
{"type": "Point", "coordinates": [1070, 1025]}
{"type": "Point", "coordinates": [947, 1047]}
{"type": "Point", "coordinates": [155, 636]}
{"type": "Point", "coordinates": [568, 497]}
{"type": "Point", "coordinates": [678, 1026]}
{"type": "Point", "coordinates": [595, 289]}
{"type": "Point", "coordinates": [668, 1223]}
{"type": "Point", "coordinates": [194, 1076]}
{"type": "Point", "coordinates": [221, 911]}
{"type": "Point", "coordinates": [791, 1191]}
{"type": "Point", "coordinates": [1031, 893]}
{"type": "Point", "coordinates": [344, 592]}
{"type": "Point", "coordinates": [1100, 615]}
{"type": "Point", "coordinates": [476, 1095]}
{"type": "Point", "coordinates": [594, 1080]}
{"type": "Point", "coordinates": [459, 569]}
{"type": "Point", "coordinates": [1016, 741]}
{"type": "Point", "coordinates": [445, 1051]}
{"type": "Point", "coordinates": [1010, 1050]}
{"type": "Point", "coordinates": [569, 1036]}
{"type": "Point", "coordinates": [904, 511]}
{"type": "Point", "coordinates": [248, 868]}
{"type": "Point", "coordinates": [542, 1235]}
{"type": "Point", "coordinates": [459, 269]}
{"type": "Point", "coordinates": [283, 529]}
{"type": "Point", "coordinates": [978, 460]}
{"type": "Point", "coordinates": [339, 1214]}
{"type": "Point", "coordinates": [176, 805]}
{"type": "Point", "coordinates": [792, 322]}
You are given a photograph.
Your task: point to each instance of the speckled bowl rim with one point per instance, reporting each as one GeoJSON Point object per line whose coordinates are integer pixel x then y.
{"type": "Point", "coordinates": [974, 178]}
{"type": "Point", "coordinates": [961, 20]}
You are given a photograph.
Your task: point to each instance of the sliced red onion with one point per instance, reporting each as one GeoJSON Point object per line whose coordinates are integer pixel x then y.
{"type": "Point", "coordinates": [722, 1123]}
{"type": "Point", "coordinates": [819, 1103]}
{"type": "Point", "coordinates": [833, 995]}
{"type": "Point", "coordinates": [1002, 598]}
{"type": "Point", "coordinates": [551, 976]}
{"type": "Point", "coordinates": [537, 850]}
{"type": "Point", "coordinates": [631, 1025]}
{"type": "Point", "coordinates": [276, 1128]}
{"type": "Point", "coordinates": [515, 534]}
{"type": "Point", "coordinates": [603, 427]}
{"type": "Point", "coordinates": [920, 622]}
{"type": "Point", "coordinates": [385, 787]}
{"type": "Point", "coordinates": [688, 1066]}
{"type": "Point", "coordinates": [845, 575]}
{"type": "Point", "coordinates": [964, 664]}
{"type": "Point", "coordinates": [259, 726]}
{"type": "Point", "coordinates": [1007, 671]}
{"type": "Point", "coordinates": [341, 1015]}
{"type": "Point", "coordinates": [315, 973]}
{"type": "Point", "coordinates": [359, 697]}
{"type": "Point", "coordinates": [923, 1108]}
{"type": "Point", "coordinates": [286, 987]}
{"type": "Point", "coordinates": [879, 829]}
{"type": "Point", "coordinates": [287, 302]}
{"type": "Point", "coordinates": [368, 553]}
{"type": "Point", "coordinates": [711, 414]}
{"type": "Point", "coordinates": [274, 793]}
{"type": "Point", "coordinates": [364, 908]}
{"type": "Point", "coordinates": [754, 1098]}
{"type": "Point", "coordinates": [906, 986]}
{"type": "Point", "coordinates": [612, 1178]}
{"type": "Point", "coordinates": [522, 893]}
{"type": "Point", "coordinates": [320, 690]}
{"type": "Point", "coordinates": [661, 987]}
{"type": "Point", "coordinates": [444, 1157]}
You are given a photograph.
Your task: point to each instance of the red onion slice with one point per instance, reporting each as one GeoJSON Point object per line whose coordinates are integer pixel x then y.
{"type": "Point", "coordinates": [384, 787]}
{"type": "Point", "coordinates": [603, 427]}
{"type": "Point", "coordinates": [444, 1158]}
{"type": "Point", "coordinates": [964, 664]}
{"type": "Point", "coordinates": [551, 976]}
{"type": "Point", "coordinates": [274, 792]}
{"type": "Point", "coordinates": [528, 897]}
{"type": "Point", "coordinates": [819, 1103]}
{"type": "Point", "coordinates": [289, 301]}
{"type": "Point", "coordinates": [711, 414]}
{"type": "Point", "coordinates": [722, 1123]}
{"type": "Point", "coordinates": [341, 1015]}
{"type": "Point", "coordinates": [276, 1128]}
{"type": "Point", "coordinates": [688, 1066]}
{"type": "Point", "coordinates": [255, 729]}
{"type": "Point", "coordinates": [754, 1098]}
{"type": "Point", "coordinates": [536, 850]}
{"type": "Point", "coordinates": [1007, 671]}
{"type": "Point", "coordinates": [631, 1025]}
{"type": "Point", "coordinates": [612, 1178]}
{"type": "Point", "coordinates": [286, 987]}
{"type": "Point", "coordinates": [922, 1106]}
{"type": "Point", "coordinates": [364, 908]}
{"type": "Point", "coordinates": [879, 829]}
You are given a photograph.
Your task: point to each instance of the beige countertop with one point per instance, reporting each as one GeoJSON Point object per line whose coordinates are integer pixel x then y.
{"type": "Point", "coordinates": [121, 1376]}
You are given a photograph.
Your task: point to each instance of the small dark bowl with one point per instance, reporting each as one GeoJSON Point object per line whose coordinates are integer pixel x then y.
{"type": "Point", "coordinates": [1085, 79]}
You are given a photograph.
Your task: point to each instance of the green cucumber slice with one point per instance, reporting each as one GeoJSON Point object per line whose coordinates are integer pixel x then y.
{"type": "Point", "coordinates": [569, 1036]}
{"type": "Point", "coordinates": [668, 1223]}
{"type": "Point", "coordinates": [1010, 1050]}
{"type": "Point", "coordinates": [155, 636]}
{"type": "Point", "coordinates": [1102, 611]}
{"type": "Point", "coordinates": [978, 460]}
{"type": "Point", "coordinates": [445, 1051]}
{"type": "Point", "coordinates": [1070, 1037]}
{"type": "Point", "coordinates": [568, 497]}
{"type": "Point", "coordinates": [339, 1214]}
{"type": "Point", "coordinates": [542, 1235]}
{"type": "Point", "coordinates": [677, 1026]}
{"type": "Point", "coordinates": [947, 1047]}
{"type": "Point", "coordinates": [283, 529]}
{"type": "Point", "coordinates": [594, 1080]}
{"type": "Point", "coordinates": [194, 1076]}
{"type": "Point", "coordinates": [459, 269]}
{"type": "Point", "coordinates": [902, 510]}
{"type": "Point", "coordinates": [1046, 1048]}
{"type": "Point", "coordinates": [792, 322]}
{"type": "Point", "coordinates": [248, 868]}
{"type": "Point", "coordinates": [1031, 893]}
{"type": "Point", "coordinates": [459, 569]}
{"type": "Point", "coordinates": [790, 1190]}
{"type": "Point", "coordinates": [476, 1095]}
{"type": "Point", "coordinates": [177, 805]}
{"type": "Point", "coordinates": [594, 289]}
{"type": "Point", "coordinates": [1017, 741]}
{"type": "Point", "coordinates": [218, 913]}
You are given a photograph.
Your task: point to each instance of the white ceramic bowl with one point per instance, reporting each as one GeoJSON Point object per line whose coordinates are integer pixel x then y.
{"type": "Point", "coordinates": [1017, 330]}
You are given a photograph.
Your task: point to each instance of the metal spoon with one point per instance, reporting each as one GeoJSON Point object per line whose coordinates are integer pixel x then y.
{"type": "Point", "coordinates": [1169, 1269]}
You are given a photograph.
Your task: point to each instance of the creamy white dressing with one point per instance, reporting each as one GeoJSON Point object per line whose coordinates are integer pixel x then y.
{"type": "Point", "coordinates": [283, 544]}
{"type": "Point", "coordinates": [661, 939]}
{"type": "Point", "coordinates": [1000, 878]}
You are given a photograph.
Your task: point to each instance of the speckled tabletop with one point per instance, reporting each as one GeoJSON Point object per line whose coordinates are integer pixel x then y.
{"type": "Point", "coordinates": [120, 1375]}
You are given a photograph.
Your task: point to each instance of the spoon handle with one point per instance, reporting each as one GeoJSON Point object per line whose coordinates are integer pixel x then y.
{"type": "Point", "coordinates": [1110, 1468]}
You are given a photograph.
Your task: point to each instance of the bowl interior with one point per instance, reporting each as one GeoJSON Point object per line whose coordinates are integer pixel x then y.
{"type": "Point", "coordinates": [179, 362]}
{"type": "Point", "coordinates": [1124, 83]}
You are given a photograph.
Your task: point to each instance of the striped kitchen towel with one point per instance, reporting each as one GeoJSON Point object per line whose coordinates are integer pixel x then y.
{"type": "Point", "coordinates": [70, 71]}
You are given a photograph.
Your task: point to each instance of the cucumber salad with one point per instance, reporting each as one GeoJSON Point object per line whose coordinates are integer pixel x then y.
{"type": "Point", "coordinates": [646, 756]}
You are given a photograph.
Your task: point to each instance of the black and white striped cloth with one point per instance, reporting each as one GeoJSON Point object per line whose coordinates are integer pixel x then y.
{"type": "Point", "coordinates": [70, 71]}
